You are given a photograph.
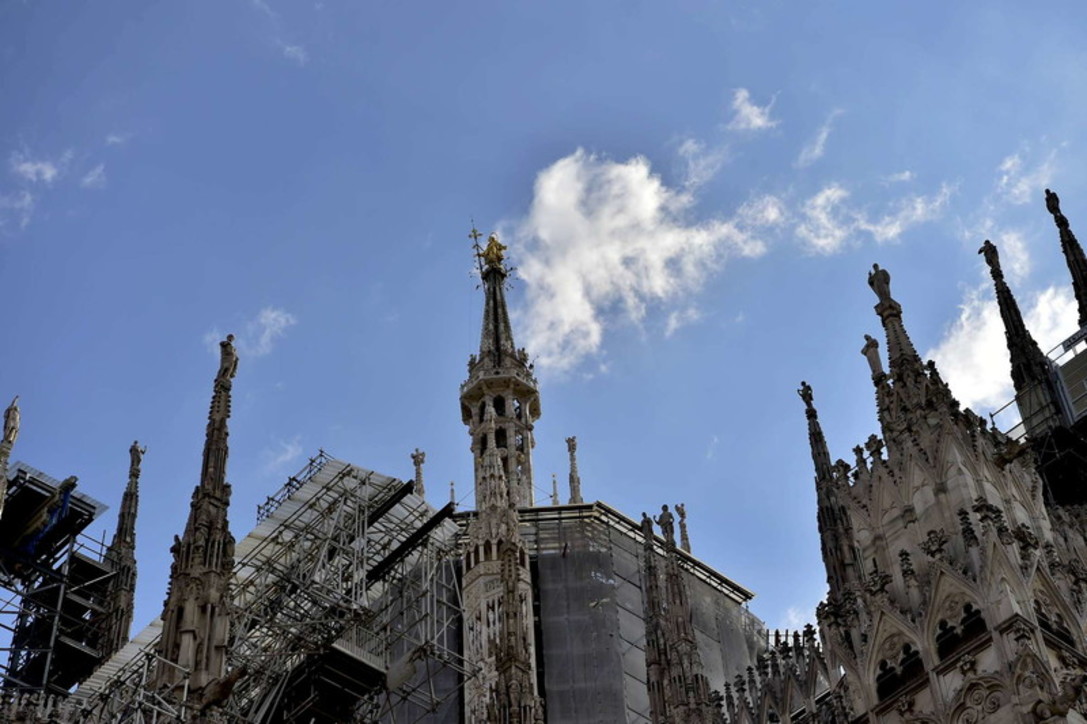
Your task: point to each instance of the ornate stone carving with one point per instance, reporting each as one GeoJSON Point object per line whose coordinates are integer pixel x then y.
{"type": "Point", "coordinates": [934, 544]}
{"type": "Point", "coordinates": [12, 417]}
{"type": "Point", "coordinates": [978, 701]}
{"type": "Point", "coordinates": [667, 526]}
{"type": "Point", "coordinates": [870, 350]}
{"type": "Point", "coordinates": [684, 538]}
{"type": "Point", "coordinates": [418, 457]}
{"type": "Point", "coordinates": [880, 281]}
{"type": "Point", "coordinates": [876, 584]}
{"type": "Point", "coordinates": [906, 562]}
{"type": "Point", "coordinates": [135, 454]}
{"type": "Point", "coordinates": [969, 536]}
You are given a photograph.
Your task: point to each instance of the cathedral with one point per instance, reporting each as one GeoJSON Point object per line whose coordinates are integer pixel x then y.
{"type": "Point", "coordinates": [955, 554]}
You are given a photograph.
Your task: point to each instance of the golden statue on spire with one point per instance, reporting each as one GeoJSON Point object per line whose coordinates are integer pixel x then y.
{"type": "Point", "coordinates": [493, 254]}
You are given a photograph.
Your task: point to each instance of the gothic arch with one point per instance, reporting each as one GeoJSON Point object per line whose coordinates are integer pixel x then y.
{"type": "Point", "coordinates": [1048, 601]}
{"type": "Point", "coordinates": [894, 656]}
{"type": "Point", "coordinates": [1031, 679]}
{"type": "Point", "coordinates": [978, 700]}
{"type": "Point", "coordinates": [950, 597]}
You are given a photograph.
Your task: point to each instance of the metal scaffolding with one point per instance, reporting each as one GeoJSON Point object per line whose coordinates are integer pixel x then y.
{"type": "Point", "coordinates": [53, 584]}
{"type": "Point", "coordinates": [346, 606]}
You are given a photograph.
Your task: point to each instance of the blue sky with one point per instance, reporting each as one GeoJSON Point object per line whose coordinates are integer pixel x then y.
{"type": "Point", "coordinates": [692, 193]}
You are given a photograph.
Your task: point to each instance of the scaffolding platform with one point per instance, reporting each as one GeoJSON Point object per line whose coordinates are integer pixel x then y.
{"type": "Point", "coordinates": [346, 571]}
{"type": "Point", "coordinates": [54, 582]}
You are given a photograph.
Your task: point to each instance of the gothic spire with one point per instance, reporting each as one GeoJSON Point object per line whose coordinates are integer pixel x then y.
{"type": "Point", "coordinates": [835, 527]}
{"type": "Point", "coordinates": [655, 640]}
{"type": "Point", "coordinates": [909, 390]}
{"type": "Point", "coordinates": [820, 455]}
{"type": "Point", "coordinates": [196, 620]}
{"type": "Point", "coordinates": [1073, 254]}
{"type": "Point", "coordinates": [575, 479]}
{"type": "Point", "coordinates": [684, 537]}
{"type": "Point", "coordinates": [496, 336]}
{"type": "Point", "coordinates": [12, 419]}
{"type": "Point", "coordinates": [672, 659]}
{"type": "Point", "coordinates": [1029, 365]}
{"type": "Point", "coordinates": [121, 556]}
{"type": "Point", "coordinates": [418, 458]}
{"type": "Point", "coordinates": [500, 376]}
{"type": "Point", "coordinates": [901, 356]}
{"type": "Point", "coordinates": [497, 578]}
{"type": "Point", "coordinates": [495, 492]}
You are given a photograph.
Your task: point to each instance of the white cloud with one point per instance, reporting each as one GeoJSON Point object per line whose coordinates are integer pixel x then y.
{"type": "Point", "coordinates": [1019, 182]}
{"type": "Point", "coordinates": [258, 337]}
{"type": "Point", "coordinates": [748, 116]}
{"type": "Point", "coordinates": [95, 178]}
{"type": "Point", "coordinates": [681, 318]}
{"type": "Point", "coordinates": [899, 177]}
{"type": "Point", "coordinates": [824, 228]}
{"type": "Point", "coordinates": [117, 139]}
{"type": "Point", "coordinates": [1014, 256]}
{"type": "Point", "coordinates": [796, 617]}
{"type": "Point", "coordinates": [973, 356]}
{"type": "Point", "coordinates": [701, 164]}
{"type": "Point", "coordinates": [264, 7]}
{"type": "Point", "coordinates": [261, 333]}
{"type": "Point", "coordinates": [827, 223]}
{"type": "Point", "coordinates": [18, 207]}
{"type": "Point", "coordinates": [711, 447]}
{"type": "Point", "coordinates": [909, 211]}
{"type": "Point", "coordinates": [815, 148]}
{"type": "Point", "coordinates": [39, 170]}
{"type": "Point", "coordinates": [603, 241]}
{"type": "Point", "coordinates": [295, 53]}
{"type": "Point", "coordinates": [283, 454]}
{"type": "Point", "coordinates": [762, 211]}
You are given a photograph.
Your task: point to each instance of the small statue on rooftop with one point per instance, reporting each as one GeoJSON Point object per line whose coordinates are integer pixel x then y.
{"type": "Point", "coordinates": [12, 417]}
{"type": "Point", "coordinates": [1052, 202]}
{"type": "Point", "coordinates": [870, 350]}
{"type": "Point", "coordinates": [647, 526]}
{"type": "Point", "coordinates": [494, 253]}
{"type": "Point", "coordinates": [228, 360]}
{"type": "Point", "coordinates": [805, 394]}
{"type": "Point", "coordinates": [684, 537]}
{"type": "Point", "coordinates": [135, 453]}
{"type": "Point", "coordinates": [880, 281]}
{"type": "Point", "coordinates": [665, 521]}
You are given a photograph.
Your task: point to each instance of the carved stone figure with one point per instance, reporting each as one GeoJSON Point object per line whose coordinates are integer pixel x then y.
{"type": "Point", "coordinates": [494, 253]}
{"type": "Point", "coordinates": [228, 360]}
{"type": "Point", "coordinates": [880, 281]}
{"type": "Point", "coordinates": [136, 456]}
{"type": "Point", "coordinates": [870, 350]}
{"type": "Point", "coordinates": [684, 538]}
{"type": "Point", "coordinates": [11, 421]}
{"type": "Point", "coordinates": [418, 458]}
{"type": "Point", "coordinates": [665, 521]}
{"type": "Point", "coordinates": [647, 526]}
{"type": "Point", "coordinates": [992, 257]}
{"type": "Point", "coordinates": [805, 394]}
{"type": "Point", "coordinates": [1052, 202]}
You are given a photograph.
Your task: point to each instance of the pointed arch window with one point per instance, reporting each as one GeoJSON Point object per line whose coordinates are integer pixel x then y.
{"type": "Point", "coordinates": [953, 635]}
